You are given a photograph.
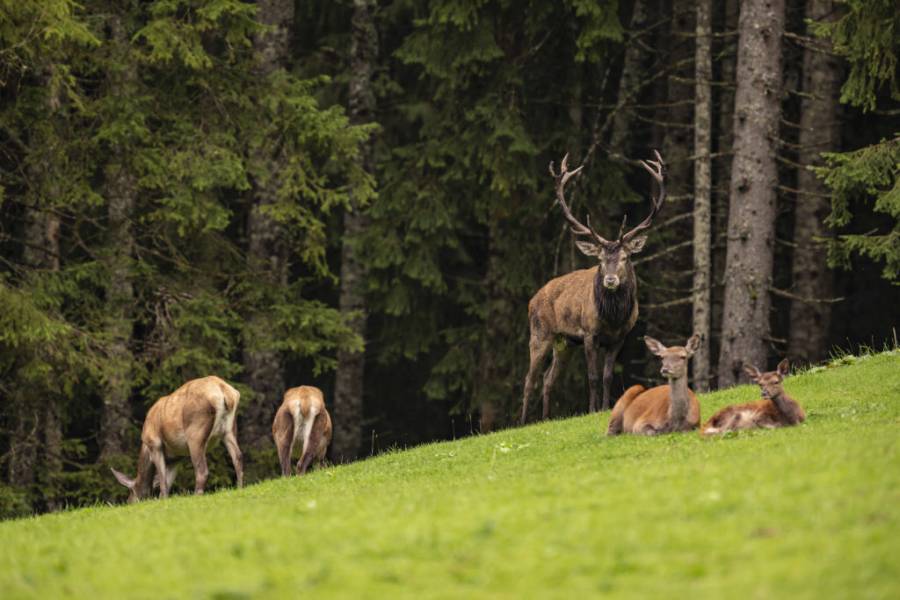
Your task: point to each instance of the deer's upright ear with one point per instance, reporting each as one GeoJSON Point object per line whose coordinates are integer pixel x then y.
{"type": "Point", "coordinates": [752, 372]}
{"type": "Point", "coordinates": [692, 344]}
{"type": "Point", "coordinates": [636, 245]}
{"type": "Point", "coordinates": [655, 346]}
{"type": "Point", "coordinates": [588, 248]}
{"type": "Point", "coordinates": [123, 478]}
{"type": "Point", "coordinates": [784, 367]}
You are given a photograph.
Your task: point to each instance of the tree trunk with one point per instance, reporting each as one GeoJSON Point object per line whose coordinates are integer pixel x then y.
{"type": "Point", "coordinates": [702, 191]}
{"type": "Point", "coordinates": [723, 116]}
{"type": "Point", "coordinates": [819, 132]}
{"type": "Point", "coordinates": [37, 440]}
{"type": "Point", "coordinates": [676, 115]}
{"type": "Point", "coordinates": [754, 180]}
{"type": "Point", "coordinates": [629, 83]}
{"type": "Point", "coordinates": [349, 379]}
{"type": "Point", "coordinates": [121, 188]}
{"type": "Point", "coordinates": [266, 252]}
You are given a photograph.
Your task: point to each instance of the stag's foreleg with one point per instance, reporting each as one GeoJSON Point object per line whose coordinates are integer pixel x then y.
{"type": "Point", "coordinates": [559, 359]}
{"type": "Point", "coordinates": [590, 356]}
{"type": "Point", "coordinates": [538, 348]}
{"type": "Point", "coordinates": [609, 364]}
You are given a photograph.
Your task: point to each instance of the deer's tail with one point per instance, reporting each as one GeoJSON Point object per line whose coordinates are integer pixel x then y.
{"type": "Point", "coordinates": [312, 441]}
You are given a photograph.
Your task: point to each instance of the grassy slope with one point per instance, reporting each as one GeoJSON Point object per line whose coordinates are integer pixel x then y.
{"type": "Point", "coordinates": [553, 509]}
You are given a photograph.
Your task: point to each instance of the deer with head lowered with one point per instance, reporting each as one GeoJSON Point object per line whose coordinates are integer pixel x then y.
{"type": "Point", "coordinates": [776, 409]}
{"type": "Point", "coordinates": [186, 420]}
{"type": "Point", "coordinates": [302, 416]}
{"type": "Point", "coordinates": [596, 306]}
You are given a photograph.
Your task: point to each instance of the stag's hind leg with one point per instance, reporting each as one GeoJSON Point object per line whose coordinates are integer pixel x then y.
{"type": "Point", "coordinates": [559, 359]}
{"type": "Point", "coordinates": [538, 348]}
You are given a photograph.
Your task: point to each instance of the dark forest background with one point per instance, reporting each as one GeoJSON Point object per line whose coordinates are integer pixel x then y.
{"type": "Point", "coordinates": [355, 195]}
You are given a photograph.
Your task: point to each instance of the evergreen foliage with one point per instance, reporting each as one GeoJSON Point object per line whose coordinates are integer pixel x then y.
{"type": "Point", "coordinates": [868, 35]}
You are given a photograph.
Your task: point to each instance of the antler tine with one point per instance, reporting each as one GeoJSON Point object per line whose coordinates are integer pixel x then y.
{"type": "Point", "coordinates": [562, 178]}
{"type": "Point", "coordinates": [657, 169]}
{"type": "Point", "coordinates": [622, 227]}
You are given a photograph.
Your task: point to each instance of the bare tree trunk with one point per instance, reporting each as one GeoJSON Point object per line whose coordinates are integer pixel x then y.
{"type": "Point", "coordinates": [349, 379]}
{"type": "Point", "coordinates": [120, 196]}
{"type": "Point", "coordinates": [723, 100]}
{"type": "Point", "coordinates": [754, 180]}
{"type": "Point", "coordinates": [819, 132]}
{"type": "Point", "coordinates": [266, 251]}
{"type": "Point", "coordinates": [677, 114]}
{"type": "Point", "coordinates": [629, 82]}
{"type": "Point", "coordinates": [702, 191]}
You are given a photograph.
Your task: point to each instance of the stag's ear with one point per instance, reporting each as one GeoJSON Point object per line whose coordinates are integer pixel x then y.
{"type": "Point", "coordinates": [692, 344]}
{"type": "Point", "coordinates": [783, 367]}
{"type": "Point", "coordinates": [588, 248]}
{"type": "Point", "coordinates": [655, 346]}
{"type": "Point", "coordinates": [123, 478]}
{"type": "Point", "coordinates": [752, 372]}
{"type": "Point", "coordinates": [636, 245]}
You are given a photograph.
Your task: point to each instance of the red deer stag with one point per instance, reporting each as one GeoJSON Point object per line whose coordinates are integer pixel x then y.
{"type": "Point", "coordinates": [187, 419]}
{"type": "Point", "coordinates": [596, 306]}
{"type": "Point", "coordinates": [302, 414]}
{"type": "Point", "coordinates": [776, 409]}
{"type": "Point", "coordinates": [664, 408]}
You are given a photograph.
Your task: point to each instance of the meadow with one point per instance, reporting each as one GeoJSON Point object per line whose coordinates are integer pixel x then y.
{"type": "Point", "coordinates": [554, 509]}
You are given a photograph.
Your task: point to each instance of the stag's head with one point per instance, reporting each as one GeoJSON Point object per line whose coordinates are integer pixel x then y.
{"type": "Point", "coordinates": [674, 358]}
{"type": "Point", "coordinates": [614, 256]}
{"type": "Point", "coordinates": [770, 382]}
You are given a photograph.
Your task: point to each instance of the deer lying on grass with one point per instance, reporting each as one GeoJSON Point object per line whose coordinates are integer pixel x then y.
{"type": "Point", "coordinates": [776, 409]}
{"type": "Point", "coordinates": [664, 408]}
{"type": "Point", "coordinates": [187, 419]}
{"type": "Point", "coordinates": [596, 306]}
{"type": "Point", "coordinates": [302, 414]}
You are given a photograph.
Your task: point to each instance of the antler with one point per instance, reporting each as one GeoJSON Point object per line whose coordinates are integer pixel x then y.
{"type": "Point", "coordinates": [657, 170]}
{"type": "Point", "coordinates": [562, 178]}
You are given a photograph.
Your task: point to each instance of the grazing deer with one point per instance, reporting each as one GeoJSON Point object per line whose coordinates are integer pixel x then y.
{"type": "Point", "coordinates": [776, 409]}
{"type": "Point", "coordinates": [303, 414]}
{"type": "Point", "coordinates": [187, 419]}
{"type": "Point", "coordinates": [596, 306]}
{"type": "Point", "coordinates": [664, 408]}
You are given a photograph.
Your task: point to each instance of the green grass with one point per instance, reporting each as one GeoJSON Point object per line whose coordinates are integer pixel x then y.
{"type": "Point", "coordinates": [551, 510]}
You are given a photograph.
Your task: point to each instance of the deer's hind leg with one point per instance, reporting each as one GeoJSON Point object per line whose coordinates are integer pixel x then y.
{"type": "Point", "coordinates": [283, 433]}
{"type": "Point", "coordinates": [538, 348]}
{"type": "Point", "coordinates": [234, 451]}
{"type": "Point", "coordinates": [197, 441]}
{"type": "Point", "coordinates": [550, 375]}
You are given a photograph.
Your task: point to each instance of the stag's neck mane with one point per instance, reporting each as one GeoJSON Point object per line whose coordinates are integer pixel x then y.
{"type": "Point", "coordinates": [614, 308]}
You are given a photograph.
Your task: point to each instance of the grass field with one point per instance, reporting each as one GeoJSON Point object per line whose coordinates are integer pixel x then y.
{"type": "Point", "coordinates": [550, 510]}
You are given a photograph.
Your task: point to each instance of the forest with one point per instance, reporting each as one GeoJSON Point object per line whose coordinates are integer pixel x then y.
{"type": "Point", "coordinates": [355, 195]}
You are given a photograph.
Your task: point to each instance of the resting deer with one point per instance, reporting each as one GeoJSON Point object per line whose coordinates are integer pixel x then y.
{"type": "Point", "coordinates": [596, 306]}
{"type": "Point", "coordinates": [302, 414]}
{"type": "Point", "coordinates": [189, 418]}
{"type": "Point", "coordinates": [664, 408]}
{"type": "Point", "coordinates": [776, 409]}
